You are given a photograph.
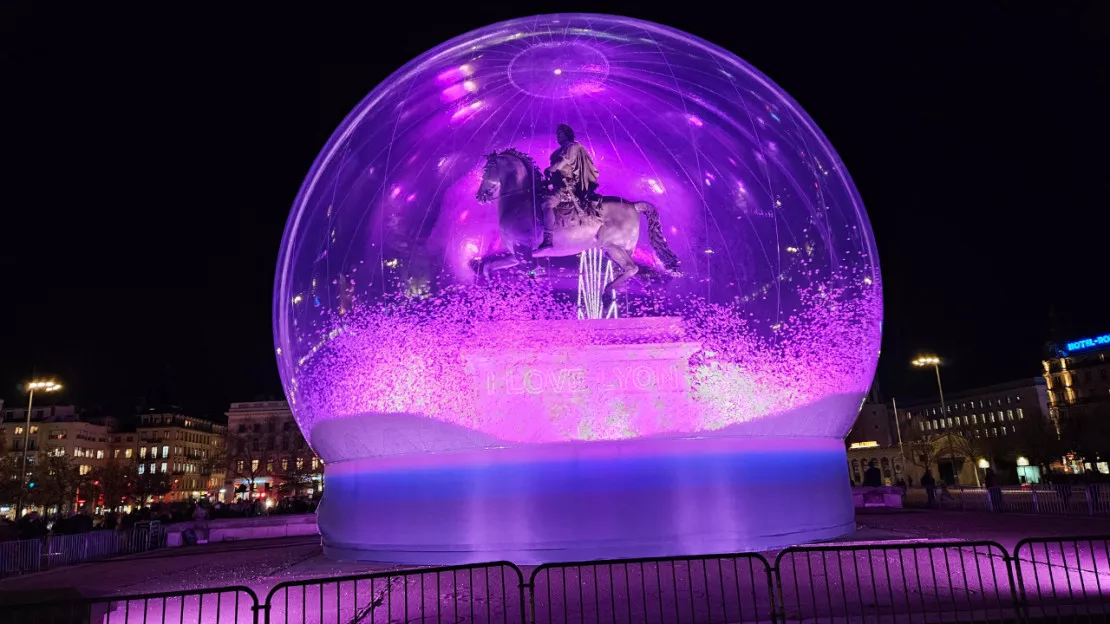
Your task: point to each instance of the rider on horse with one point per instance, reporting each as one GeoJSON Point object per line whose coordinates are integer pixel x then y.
{"type": "Point", "coordinates": [574, 179]}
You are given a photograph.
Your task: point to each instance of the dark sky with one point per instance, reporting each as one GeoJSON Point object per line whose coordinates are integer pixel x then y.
{"type": "Point", "coordinates": [151, 160]}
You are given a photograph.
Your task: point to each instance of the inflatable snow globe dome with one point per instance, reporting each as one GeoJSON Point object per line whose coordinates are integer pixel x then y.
{"type": "Point", "coordinates": [571, 230]}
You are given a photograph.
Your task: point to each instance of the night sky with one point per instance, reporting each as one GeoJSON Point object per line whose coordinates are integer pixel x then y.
{"type": "Point", "coordinates": [151, 160]}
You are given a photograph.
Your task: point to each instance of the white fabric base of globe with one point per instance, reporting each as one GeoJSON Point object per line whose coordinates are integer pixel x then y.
{"type": "Point", "coordinates": [584, 501]}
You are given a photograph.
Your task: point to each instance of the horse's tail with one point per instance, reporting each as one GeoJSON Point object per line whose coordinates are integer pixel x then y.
{"type": "Point", "coordinates": [658, 241]}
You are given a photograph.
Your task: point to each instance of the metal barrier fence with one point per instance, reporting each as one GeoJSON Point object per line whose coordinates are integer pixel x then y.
{"type": "Point", "coordinates": [715, 588]}
{"type": "Point", "coordinates": [1046, 580]}
{"type": "Point", "coordinates": [1091, 500]}
{"type": "Point", "coordinates": [489, 592]}
{"type": "Point", "coordinates": [235, 605]}
{"type": "Point", "coordinates": [53, 551]}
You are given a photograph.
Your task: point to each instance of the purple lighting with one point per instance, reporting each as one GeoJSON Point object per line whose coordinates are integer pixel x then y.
{"type": "Point", "coordinates": [447, 374]}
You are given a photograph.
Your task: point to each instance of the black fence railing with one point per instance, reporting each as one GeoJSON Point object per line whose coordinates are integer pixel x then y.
{"type": "Point", "coordinates": [1071, 500]}
{"type": "Point", "coordinates": [54, 551]}
{"type": "Point", "coordinates": [1045, 580]}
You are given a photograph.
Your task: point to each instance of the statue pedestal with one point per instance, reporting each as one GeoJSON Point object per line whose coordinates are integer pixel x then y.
{"type": "Point", "coordinates": [617, 378]}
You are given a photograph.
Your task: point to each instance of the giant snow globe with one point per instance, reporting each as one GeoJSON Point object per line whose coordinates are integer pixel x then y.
{"type": "Point", "coordinates": [577, 286]}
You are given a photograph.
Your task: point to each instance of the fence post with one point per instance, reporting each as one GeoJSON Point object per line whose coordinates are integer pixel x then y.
{"type": "Point", "coordinates": [1090, 502]}
{"type": "Point", "coordinates": [1036, 501]}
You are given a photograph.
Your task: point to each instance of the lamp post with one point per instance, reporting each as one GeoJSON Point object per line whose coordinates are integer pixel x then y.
{"type": "Point", "coordinates": [898, 428]}
{"type": "Point", "coordinates": [41, 386]}
{"type": "Point", "coordinates": [926, 361]}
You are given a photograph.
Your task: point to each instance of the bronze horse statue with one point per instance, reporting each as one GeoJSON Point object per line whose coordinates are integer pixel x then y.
{"type": "Point", "coordinates": [520, 188]}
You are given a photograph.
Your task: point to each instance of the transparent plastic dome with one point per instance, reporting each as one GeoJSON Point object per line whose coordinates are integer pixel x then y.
{"type": "Point", "coordinates": [725, 283]}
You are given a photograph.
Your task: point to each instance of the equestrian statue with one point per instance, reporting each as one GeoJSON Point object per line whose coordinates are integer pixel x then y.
{"type": "Point", "coordinates": [575, 218]}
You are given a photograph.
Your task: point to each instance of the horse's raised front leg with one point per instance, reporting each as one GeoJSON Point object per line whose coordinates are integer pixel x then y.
{"type": "Point", "coordinates": [625, 262]}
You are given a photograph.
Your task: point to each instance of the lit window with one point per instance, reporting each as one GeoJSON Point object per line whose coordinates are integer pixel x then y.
{"type": "Point", "coordinates": [165, 451]}
{"type": "Point", "coordinates": [99, 454]}
{"type": "Point", "coordinates": [19, 431]}
{"type": "Point", "coordinates": [127, 453]}
{"type": "Point", "coordinates": [285, 464]}
{"type": "Point", "coordinates": [142, 468]}
{"type": "Point", "coordinates": [1010, 414]}
{"type": "Point", "coordinates": [994, 432]}
{"type": "Point", "coordinates": [300, 463]}
{"type": "Point", "coordinates": [34, 429]}
{"type": "Point", "coordinates": [153, 468]}
{"type": "Point", "coordinates": [84, 470]}
{"type": "Point", "coordinates": [254, 465]}
{"type": "Point", "coordinates": [949, 421]}
{"type": "Point", "coordinates": [142, 452]}
{"type": "Point", "coordinates": [1020, 414]}
{"type": "Point", "coordinates": [239, 466]}
{"type": "Point", "coordinates": [115, 454]}
{"type": "Point", "coordinates": [315, 463]}
{"type": "Point", "coordinates": [1013, 429]}
{"type": "Point", "coordinates": [1003, 430]}
{"type": "Point", "coordinates": [163, 467]}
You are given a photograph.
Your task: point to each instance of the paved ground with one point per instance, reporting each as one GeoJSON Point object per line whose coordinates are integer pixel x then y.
{"type": "Point", "coordinates": [886, 583]}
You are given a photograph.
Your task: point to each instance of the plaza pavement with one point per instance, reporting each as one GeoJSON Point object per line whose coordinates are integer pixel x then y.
{"type": "Point", "coordinates": [970, 581]}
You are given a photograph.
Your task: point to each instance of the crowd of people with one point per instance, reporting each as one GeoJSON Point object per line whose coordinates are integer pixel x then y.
{"type": "Point", "coordinates": [36, 526]}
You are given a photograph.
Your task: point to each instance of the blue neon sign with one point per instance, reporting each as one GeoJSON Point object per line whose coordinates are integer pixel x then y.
{"type": "Point", "coordinates": [1088, 343]}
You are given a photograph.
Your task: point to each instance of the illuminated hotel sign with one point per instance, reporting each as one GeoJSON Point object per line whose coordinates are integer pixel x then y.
{"type": "Point", "coordinates": [859, 445]}
{"type": "Point", "coordinates": [1088, 343]}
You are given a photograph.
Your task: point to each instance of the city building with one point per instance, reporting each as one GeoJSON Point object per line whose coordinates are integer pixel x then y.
{"type": "Point", "coordinates": [1077, 375]}
{"type": "Point", "coordinates": [873, 427]}
{"type": "Point", "coordinates": [58, 430]}
{"type": "Point", "coordinates": [266, 447]}
{"type": "Point", "coordinates": [189, 450]}
{"type": "Point", "coordinates": [976, 428]}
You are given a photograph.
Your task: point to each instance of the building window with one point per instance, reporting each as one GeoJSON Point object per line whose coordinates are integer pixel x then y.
{"type": "Point", "coordinates": [153, 468]}
{"type": "Point", "coordinates": [142, 468]}
{"type": "Point", "coordinates": [316, 463]}
{"type": "Point", "coordinates": [1020, 414]}
{"type": "Point", "coordinates": [994, 432]}
{"type": "Point", "coordinates": [99, 454]}
{"type": "Point", "coordinates": [34, 429]}
{"type": "Point", "coordinates": [115, 454]}
{"type": "Point", "coordinates": [163, 467]}
{"type": "Point", "coordinates": [239, 466]}
{"type": "Point", "coordinates": [165, 451]}
{"type": "Point", "coordinates": [19, 431]}
{"type": "Point", "coordinates": [1010, 414]}
{"type": "Point", "coordinates": [285, 464]}
{"type": "Point", "coordinates": [949, 421]}
{"type": "Point", "coordinates": [254, 465]}
{"type": "Point", "coordinates": [84, 470]}
{"type": "Point", "coordinates": [300, 463]}
{"type": "Point", "coordinates": [127, 453]}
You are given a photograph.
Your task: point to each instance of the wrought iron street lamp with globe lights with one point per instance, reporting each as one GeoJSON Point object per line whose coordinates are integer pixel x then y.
{"type": "Point", "coordinates": [32, 387]}
{"type": "Point", "coordinates": [926, 361]}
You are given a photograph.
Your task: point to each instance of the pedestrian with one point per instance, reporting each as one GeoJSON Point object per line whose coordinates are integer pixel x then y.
{"type": "Point", "coordinates": [930, 486]}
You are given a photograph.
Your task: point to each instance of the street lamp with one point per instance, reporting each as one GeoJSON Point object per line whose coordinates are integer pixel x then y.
{"type": "Point", "coordinates": [926, 361]}
{"type": "Point", "coordinates": [40, 386]}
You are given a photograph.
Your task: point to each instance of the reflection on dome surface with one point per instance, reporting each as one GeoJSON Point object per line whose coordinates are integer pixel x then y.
{"type": "Point", "coordinates": [722, 280]}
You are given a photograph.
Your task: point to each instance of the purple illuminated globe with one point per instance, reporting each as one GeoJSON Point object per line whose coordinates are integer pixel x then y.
{"type": "Point", "coordinates": [577, 286]}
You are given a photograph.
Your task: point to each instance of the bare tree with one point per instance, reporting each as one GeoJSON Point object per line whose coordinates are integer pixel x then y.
{"type": "Point", "coordinates": [115, 481]}
{"type": "Point", "coordinates": [56, 480]}
{"type": "Point", "coordinates": [10, 484]}
{"type": "Point", "coordinates": [250, 455]}
{"type": "Point", "coordinates": [298, 475]}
